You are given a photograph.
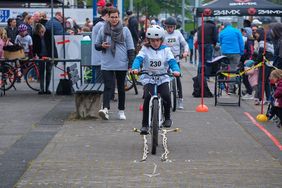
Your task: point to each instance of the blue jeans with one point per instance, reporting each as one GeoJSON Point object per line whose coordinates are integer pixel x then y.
{"type": "Point", "coordinates": [208, 53]}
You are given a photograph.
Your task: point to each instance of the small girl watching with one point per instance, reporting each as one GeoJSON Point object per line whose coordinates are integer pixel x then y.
{"type": "Point", "coordinates": [276, 78]}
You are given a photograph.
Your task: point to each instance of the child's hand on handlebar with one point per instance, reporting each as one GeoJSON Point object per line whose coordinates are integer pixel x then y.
{"type": "Point", "coordinates": [135, 71]}
{"type": "Point", "coordinates": [185, 54]}
{"type": "Point", "coordinates": [176, 74]}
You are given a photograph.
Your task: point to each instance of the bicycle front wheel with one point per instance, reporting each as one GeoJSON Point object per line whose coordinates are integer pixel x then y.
{"type": "Point", "coordinates": [155, 126]}
{"type": "Point", "coordinates": [32, 78]}
{"type": "Point", "coordinates": [8, 77]}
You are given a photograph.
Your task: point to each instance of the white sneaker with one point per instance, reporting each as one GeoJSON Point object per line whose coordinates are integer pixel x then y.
{"type": "Point", "coordinates": [104, 113]}
{"type": "Point", "coordinates": [180, 104]}
{"type": "Point", "coordinates": [248, 97]}
{"type": "Point", "coordinates": [121, 115]}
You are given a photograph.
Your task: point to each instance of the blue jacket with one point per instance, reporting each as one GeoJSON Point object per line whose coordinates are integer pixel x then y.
{"type": "Point", "coordinates": [231, 41]}
{"type": "Point", "coordinates": [58, 27]}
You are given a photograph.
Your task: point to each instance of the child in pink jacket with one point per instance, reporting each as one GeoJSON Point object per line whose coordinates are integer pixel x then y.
{"type": "Point", "coordinates": [252, 74]}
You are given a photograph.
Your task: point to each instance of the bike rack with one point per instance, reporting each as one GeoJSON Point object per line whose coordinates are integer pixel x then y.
{"type": "Point", "coordinates": [164, 156]}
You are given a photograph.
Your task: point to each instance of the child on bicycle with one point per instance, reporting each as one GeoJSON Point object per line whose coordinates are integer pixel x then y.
{"type": "Point", "coordinates": [156, 58]}
{"type": "Point", "coordinates": [175, 40]}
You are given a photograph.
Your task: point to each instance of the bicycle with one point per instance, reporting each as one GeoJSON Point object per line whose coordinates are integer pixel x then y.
{"type": "Point", "coordinates": [22, 68]}
{"type": "Point", "coordinates": [131, 82]}
{"type": "Point", "coordinates": [156, 116]}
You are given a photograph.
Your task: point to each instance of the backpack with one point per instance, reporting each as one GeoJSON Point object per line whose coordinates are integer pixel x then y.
{"type": "Point", "coordinates": [197, 88]}
{"type": "Point", "coordinates": [64, 87]}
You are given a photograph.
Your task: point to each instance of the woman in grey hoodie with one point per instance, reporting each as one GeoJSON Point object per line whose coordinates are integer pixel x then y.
{"type": "Point", "coordinates": [116, 44]}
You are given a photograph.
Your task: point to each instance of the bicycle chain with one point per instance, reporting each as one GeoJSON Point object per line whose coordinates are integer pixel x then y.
{"type": "Point", "coordinates": [166, 151]}
{"type": "Point", "coordinates": [164, 156]}
{"type": "Point", "coordinates": [145, 149]}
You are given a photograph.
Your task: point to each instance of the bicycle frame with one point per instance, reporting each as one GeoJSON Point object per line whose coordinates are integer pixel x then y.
{"type": "Point", "coordinates": [153, 97]}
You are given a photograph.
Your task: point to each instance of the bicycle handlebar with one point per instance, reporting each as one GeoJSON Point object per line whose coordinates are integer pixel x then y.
{"type": "Point", "coordinates": [153, 74]}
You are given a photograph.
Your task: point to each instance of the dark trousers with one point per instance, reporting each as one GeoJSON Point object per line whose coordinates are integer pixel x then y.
{"type": "Point", "coordinates": [208, 52]}
{"type": "Point", "coordinates": [191, 55]}
{"type": "Point", "coordinates": [179, 85]}
{"type": "Point", "coordinates": [98, 77]}
{"type": "Point", "coordinates": [109, 79]}
{"type": "Point", "coordinates": [163, 90]}
{"type": "Point", "coordinates": [266, 83]}
{"type": "Point", "coordinates": [47, 77]}
{"type": "Point", "coordinates": [247, 84]}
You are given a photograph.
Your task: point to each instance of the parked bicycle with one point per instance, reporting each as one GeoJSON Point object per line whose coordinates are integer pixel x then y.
{"type": "Point", "coordinates": [15, 70]}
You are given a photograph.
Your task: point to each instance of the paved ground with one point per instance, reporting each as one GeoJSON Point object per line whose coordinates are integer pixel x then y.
{"type": "Point", "coordinates": [221, 148]}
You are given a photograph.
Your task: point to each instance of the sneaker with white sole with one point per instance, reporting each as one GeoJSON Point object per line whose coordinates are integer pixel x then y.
{"type": "Point", "coordinates": [180, 104]}
{"type": "Point", "coordinates": [121, 115]}
{"type": "Point", "coordinates": [248, 97]}
{"type": "Point", "coordinates": [104, 113]}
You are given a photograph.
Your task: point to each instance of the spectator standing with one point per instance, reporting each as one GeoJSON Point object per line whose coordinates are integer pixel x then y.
{"type": "Point", "coordinates": [43, 18]}
{"type": "Point", "coordinates": [57, 24]}
{"type": "Point", "coordinates": [269, 51]}
{"type": "Point", "coordinates": [190, 42]}
{"type": "Point", "coordinates": [11, 29]}
{"type": "Point", "coordinates": [133, 27]}
{"type": "Point", "coordinates": [248, 55]}
{"type": "Point", "coordinates": [276, 33]}
{"type": "Point", "coordinates": [28, 21]}
{"type": "Point", "coordinates": [36, 18]}
{"type": "Point", "coordinates": [24, 40]}
{"type": "Point", "coordinates": [42, 45]}
{"type": "Point", "coordinates": [96, 55]}
{"type": "Point", "coordinates": [210, 40]}
{"type": "Point", "coordinates": [3, 41]}
{"type": "Point", "coordinates": [116, 44]}
{"type": "Point", "coordinates": [232, 46]}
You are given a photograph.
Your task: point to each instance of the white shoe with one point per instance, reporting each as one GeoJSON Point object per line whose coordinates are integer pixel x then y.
{"type": "Point", "coordinates": [121, 115]}
{"type": "Point", "coordinates": [180, 104]}
{"type": "Point", "coordinates": [248, 97]}
{"type": "Point", "coordinates": [104, 113]}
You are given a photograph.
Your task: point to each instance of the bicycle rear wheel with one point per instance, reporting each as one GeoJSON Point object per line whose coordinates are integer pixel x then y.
{"type": "Point", "coordinates": [32, 78]}
{"type": "Point", "coordinates": [155, 125]}
{"type": "Point", "coordinates": [7, 72]}
{"type": "Point", "coordinates": [173, 93]}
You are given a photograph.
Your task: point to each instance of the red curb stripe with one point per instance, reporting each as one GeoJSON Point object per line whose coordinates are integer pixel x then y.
{"type": "Point", "coordinates": [274, 140]}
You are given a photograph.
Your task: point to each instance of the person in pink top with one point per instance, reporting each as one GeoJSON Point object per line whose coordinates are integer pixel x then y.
{"type": "Point", "coordinates": [3, 41]}
{"type": "Point", "coordinates": [252, 74]}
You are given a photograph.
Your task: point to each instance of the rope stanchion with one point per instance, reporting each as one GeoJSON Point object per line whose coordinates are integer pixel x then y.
{"type": "Point", "coordinates": [262, 117]}
{"type": "Point", "coordinates": [202, 107]}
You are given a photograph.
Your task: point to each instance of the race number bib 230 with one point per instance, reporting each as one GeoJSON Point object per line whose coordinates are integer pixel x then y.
{"type": "Point", "coordinates": [156, 64]}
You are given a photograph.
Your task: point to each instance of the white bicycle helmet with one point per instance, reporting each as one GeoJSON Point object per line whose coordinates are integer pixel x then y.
{"type": "Point", "coordinates": [155, 32]}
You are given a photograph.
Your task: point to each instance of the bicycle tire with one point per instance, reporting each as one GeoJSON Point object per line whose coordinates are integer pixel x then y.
{"type": "Point", "coordinates": [155, 126]}
{"type": "Point", "coordinates": [128, 84]}
{"type": "Point", "coordinates": [8, 77]}
{"type": "Point", "coordinates": [33, 82]}
{"type": "Point", "coordinates": [173, 94]}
